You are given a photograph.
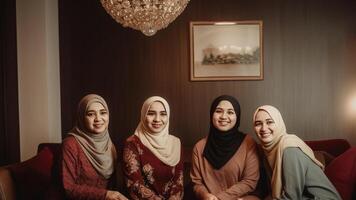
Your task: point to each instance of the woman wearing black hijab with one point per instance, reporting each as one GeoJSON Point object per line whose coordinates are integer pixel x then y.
{"type": "Point", "coordinates": [225, 164]}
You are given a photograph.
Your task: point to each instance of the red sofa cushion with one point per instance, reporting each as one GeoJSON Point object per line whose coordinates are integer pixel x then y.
{"type": "Point", "coordinates": [33, 177]}
{"type": "Point", "coordinates": [342, 173]}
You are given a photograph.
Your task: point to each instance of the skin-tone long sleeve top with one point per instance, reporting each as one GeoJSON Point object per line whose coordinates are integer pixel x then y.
{"type": "Point", "coordinates": [80, 179]}
{"type": "Point", "coordinates": [147, 177]}
{"type": "Point", "coordinates": [235, 179]}
{"type": "Point", "coordinates": [303, 179]}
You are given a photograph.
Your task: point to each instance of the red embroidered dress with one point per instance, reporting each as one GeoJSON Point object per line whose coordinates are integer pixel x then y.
{"type": "Point", "coordinates": [147, 177]}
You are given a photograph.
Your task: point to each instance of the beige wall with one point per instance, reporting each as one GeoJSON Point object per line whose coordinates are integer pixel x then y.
{"type": "Point", "coordinates": [38, 74]}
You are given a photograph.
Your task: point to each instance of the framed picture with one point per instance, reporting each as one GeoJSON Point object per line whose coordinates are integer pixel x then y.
{"type": "Point", "coordinates": [226, 51]}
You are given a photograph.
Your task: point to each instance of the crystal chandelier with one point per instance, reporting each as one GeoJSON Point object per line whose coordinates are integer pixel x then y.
{"type": "Point", "coordinates": [147, 16]}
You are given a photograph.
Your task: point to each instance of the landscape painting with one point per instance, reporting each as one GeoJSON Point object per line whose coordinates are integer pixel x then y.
{"type": "Point", "coordinates": [226, 50]}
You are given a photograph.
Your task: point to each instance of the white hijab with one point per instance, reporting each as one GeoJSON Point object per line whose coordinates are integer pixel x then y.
{"type": "Point", "coordinates": [98, 148]}
{"type": "Point", "coordinates": [164, 146]}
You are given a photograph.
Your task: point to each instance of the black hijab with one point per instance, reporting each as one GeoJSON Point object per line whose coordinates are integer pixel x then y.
{"type": "Point", "coordinates": [222, 145]}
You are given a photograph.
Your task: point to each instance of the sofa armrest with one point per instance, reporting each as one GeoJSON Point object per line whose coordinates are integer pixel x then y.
{"type": "Point", "coordinates": [7, 188]}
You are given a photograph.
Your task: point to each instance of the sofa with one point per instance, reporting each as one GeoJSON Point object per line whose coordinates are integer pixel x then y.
{"type": "Point", "coordinates": [339, 159]}
{"type": "Point", "coordinates": [38, 178]}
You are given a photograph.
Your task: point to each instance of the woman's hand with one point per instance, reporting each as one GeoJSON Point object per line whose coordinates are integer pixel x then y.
{"type": "Point", "coordinates": [114, 195]}
{"type": "Point", "coordinates": [210, 196]}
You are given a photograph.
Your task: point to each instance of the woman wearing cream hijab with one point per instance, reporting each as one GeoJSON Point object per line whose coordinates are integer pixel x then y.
{"type": "Point", "coordinates": [153, 165]}
{"type": "Point", "coordinates": [294, 171]}
{"type": "Point", "coordinates": [88, 153]}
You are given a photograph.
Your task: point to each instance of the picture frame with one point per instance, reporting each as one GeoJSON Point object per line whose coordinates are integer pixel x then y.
{"type": "Point", "coordinates": [229, 50]}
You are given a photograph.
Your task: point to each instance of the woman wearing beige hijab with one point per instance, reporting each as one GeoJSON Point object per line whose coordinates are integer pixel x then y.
{"type": "Point", "coordinates": [152, 157]}
{"type": "Point", "coordinates": [88, 153]}
{"type": "Point", "coordinates": [293, 170]}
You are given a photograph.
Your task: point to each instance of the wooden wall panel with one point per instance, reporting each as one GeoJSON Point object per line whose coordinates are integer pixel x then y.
{"type": "Point", "coordinates": [309, 60]}
{"type": "Point", "coordinates": [9, 118]}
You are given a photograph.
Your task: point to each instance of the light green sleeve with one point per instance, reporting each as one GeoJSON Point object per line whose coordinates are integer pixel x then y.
{"type": "Point", "coordinates": [303, 179]}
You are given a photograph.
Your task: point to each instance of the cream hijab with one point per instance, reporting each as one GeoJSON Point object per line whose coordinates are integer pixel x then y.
{"type": "Point", "coordinates": [164, 146]}
{"type": "Point", "coordinates": [274, 150]}
{"type": "Point", "coordinates": [98, 148]}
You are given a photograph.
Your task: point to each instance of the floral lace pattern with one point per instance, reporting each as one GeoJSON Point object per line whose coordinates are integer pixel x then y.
{"type": "Point", "coordinates": [148, 171]}
{"type": "Point", "coordinates": [147, 177]}
{"type": "Point", "coordinates": [180, 179]}
{"type": "Point", "coordinates": [131, 161]}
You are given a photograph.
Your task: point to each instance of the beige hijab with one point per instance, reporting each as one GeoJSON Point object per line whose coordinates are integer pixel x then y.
{"type": "Point", "coordinates": [98, 148]}
{"type": "Point", "coordinates": [164, 146]}
{"type": "Point", "coordinates": [274, 150]}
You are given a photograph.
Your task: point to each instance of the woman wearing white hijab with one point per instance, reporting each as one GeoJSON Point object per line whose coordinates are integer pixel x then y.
{"type": "Point", "coordinates": [293, 170]}
{"type": "Point", "coordinates": [88, 153]}
{"type": "Point", "coordinates": [153, 165]}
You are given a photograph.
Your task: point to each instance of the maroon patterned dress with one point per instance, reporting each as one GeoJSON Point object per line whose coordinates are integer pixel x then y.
{"type": "Point", "coordinates": [80, 179]}
{"type": "Point", "coordinates": [147, 177]}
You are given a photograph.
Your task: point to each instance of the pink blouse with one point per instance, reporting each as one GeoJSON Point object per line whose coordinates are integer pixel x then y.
{"type": "Point", "coordinates": [236, 179]}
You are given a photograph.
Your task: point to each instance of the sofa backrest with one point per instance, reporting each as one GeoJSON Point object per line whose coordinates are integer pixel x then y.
{"type": "Point", "coordinates": [342, 173]}
{"type": "Point", "coordinates": [34, 178]}
{"type": "Point", "coordinates": [335, 147]}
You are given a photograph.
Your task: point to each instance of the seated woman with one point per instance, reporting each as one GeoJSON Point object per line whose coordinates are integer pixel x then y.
{"type": "Point", "coordinates": [88, 153]}
{"type": "Point", "coordinates": [152, 157]}
{"type": "Point", "coordinates": [225, 165]}
{"type": "Point", "coordinates": [294, 171]}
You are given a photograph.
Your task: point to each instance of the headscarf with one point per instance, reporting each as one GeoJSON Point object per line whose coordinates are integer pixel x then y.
{"type": "Point", "coordinates": [164, 146]}
{"type": "Point", "coordinates": [274, 150]}
{"type": "Point", "coordinates": [98, 148]}
{"type": "Point", "coordinates": [222, 145]}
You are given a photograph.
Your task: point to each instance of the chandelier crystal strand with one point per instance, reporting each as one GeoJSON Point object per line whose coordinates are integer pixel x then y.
{"type": "Point", "coordinates": [147, 16]}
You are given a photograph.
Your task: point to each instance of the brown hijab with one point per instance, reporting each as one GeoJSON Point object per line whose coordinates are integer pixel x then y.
{"type": "Point", "coordinates": [98, 148]}
{"type": "Point", "coordinates": [274, 150]}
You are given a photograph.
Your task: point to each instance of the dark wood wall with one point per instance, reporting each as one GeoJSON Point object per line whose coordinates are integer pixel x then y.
{"type": "Point", "coordinates": [309, 60]}
{"type": "Point", "coordinates": [9, 119]}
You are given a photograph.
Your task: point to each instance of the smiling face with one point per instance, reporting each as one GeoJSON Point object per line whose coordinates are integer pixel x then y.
{"type": "Point", "coordinates": [96, 119]}
{"type": "Point", "coordinates": [224, 117]}
{"type": "Point", "coordinates": [156, 117]}
{"type": "Point", "coordinates": [265, 127]}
